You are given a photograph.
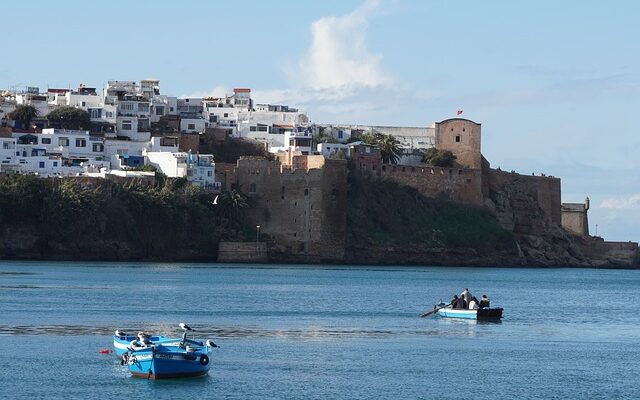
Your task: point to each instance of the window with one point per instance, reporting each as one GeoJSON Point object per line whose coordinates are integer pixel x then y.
{"type": "Point", "coordinates": [63, 141]}
{"type": "Point", "coordinates": [159, 110]}
{"type": "Point", "coordinates": [81, 143]}
{"type": "Point", "coordinates": [97, 147]}
{"type": "Point", "coordinates": [226, 115]}
{"type": "Point", "coordinates": [340, 134]}
{"type": "Point", "coordinates": [143, 107]}
{"type": "Point", "coordinates": [252, 188]}
{"type": "Point", "coordinates": [6, 145]}
{"type": "Point", "coordinates": [457, 138]}
{"type": "Point", "coordinates": [41, 164]}
{"type": "Point", "coordinates": [46, 140]}
{"type": "Point", "coordinates": [367, 149]}
{"type": "Point", "coordinates": [126, 106]}
{"type": "Point", "coordinates": [253, 128]}
{"type": "Point", "coordinates": [191, 126]}
{"type": "Point", "coordinates": [109, 114]}
{"type": "Point", "coordinates": [96, 113]}
{"type": "Point", "coordinates": [126, 125]}
{"type": "Point", "coordinates": [83, 104]}
{"type": "Point", "coordinates": [214, 118]}
{"type": "Point", "coordinates": [55, 163]}
{"type": "Point", "coordinates": [209, 173]}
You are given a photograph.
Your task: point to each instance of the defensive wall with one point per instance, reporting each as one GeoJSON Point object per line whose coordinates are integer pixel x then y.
{"type": "Point", "coordinates": [302, 206]}
{"type": "Point", "coordinates": [617, 254]}
{"type": "Point", "coordinates": [520, 201]}
{"type": "Point", "coordinates": [242, 252]}
{"type": "Point", "coordinates": [460, 185]}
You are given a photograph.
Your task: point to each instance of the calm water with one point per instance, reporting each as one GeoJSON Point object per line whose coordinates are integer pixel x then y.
{"type": "Point", "coordinates": [322, 333]}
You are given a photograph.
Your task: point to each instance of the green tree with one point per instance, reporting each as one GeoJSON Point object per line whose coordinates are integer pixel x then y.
{"type": "Point", "coordinates": [439, 158]}
{"type": "Point", "coordinates": [68, 117]}
{"type": "Point", "coordinates": [324, 136]}
{"type": "Point", "coordinates": [23, 114]}
{"type": "Point", "coordinates": [233, 200]}
{"type": "Point", "coordinates": [389, 148]}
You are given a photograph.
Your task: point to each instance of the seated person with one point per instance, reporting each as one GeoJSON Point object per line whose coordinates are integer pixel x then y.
{"type": "Point", "coordinates": [484, 301]}
{"type": "Point", "coordinates": [473, 304]}
{"type": "Point", "coordinates": [454, 301]}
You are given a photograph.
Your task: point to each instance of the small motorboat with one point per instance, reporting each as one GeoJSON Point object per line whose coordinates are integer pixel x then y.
{"type": "Point", "coordinates": [484, 314]}
{"type": "Point", "coordinates": [159, 357]}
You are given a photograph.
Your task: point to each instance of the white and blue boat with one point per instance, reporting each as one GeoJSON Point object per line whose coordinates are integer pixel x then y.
{"type": "Point", "coordinates": [159, 357]}
{"type": "Point", "coordinates": [481, 314]}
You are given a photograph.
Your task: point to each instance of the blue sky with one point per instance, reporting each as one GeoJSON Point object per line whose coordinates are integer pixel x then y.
{"type": "Point", "coordinates": [555, 84]}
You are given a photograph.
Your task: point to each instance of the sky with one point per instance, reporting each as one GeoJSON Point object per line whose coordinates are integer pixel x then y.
{"type": "Point", "coordinates": [555, 84]}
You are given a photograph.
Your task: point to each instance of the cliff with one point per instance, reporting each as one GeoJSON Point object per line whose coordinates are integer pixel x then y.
{"type": "Point", "coordinates": [390, 223]}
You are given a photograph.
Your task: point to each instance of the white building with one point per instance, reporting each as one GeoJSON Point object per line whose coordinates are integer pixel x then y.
{"type": "Point", "coordinates": [199, 169]}
{"type": "Point", "coordinates": [329, 149]}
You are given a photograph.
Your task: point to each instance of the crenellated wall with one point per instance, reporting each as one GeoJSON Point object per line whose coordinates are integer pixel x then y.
{"type": "Point", "coordinates": [303, 209]}
{"type": "Point", "coordinates": [460, 185]}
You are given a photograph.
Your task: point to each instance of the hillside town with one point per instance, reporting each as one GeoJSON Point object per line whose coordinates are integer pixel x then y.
{"type": "Point", "coordinates": [130, 125]}
{"type": "Point", "coordinates": [298, 183]}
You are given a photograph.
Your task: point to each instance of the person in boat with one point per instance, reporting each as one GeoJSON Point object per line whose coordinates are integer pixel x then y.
{"type": "Point", "coordinates": [454, 301]}
{"type": "Point", "coordinates": [473, 304]}
{"type": "Point", "coordinates": [484, 302]}
{"type": "Point", "coordinates": [466, 295]}
{"type": "Point", "coordinates": [461, 304]}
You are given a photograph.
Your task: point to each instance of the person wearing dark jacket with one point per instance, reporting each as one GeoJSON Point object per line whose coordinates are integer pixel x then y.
{"type": "Point", "coordinates": [484, 301]}
{"type": "Point", "coordinates": [462, 304]}
{"type": "Point", "coordinates": [454, 301]}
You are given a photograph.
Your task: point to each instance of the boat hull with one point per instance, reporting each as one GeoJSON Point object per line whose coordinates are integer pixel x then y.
{"type": "Point", "coordinates": [166, 364]}
{"type": "Point", "coordinates": [477, 314]}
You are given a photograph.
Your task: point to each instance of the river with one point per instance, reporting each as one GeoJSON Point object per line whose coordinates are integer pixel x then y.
{"type": "Point", "coordinates": [325, 332]}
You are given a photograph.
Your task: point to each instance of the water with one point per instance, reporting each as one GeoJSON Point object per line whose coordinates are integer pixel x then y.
{"type": "Point", "coordinates": [322, 332]}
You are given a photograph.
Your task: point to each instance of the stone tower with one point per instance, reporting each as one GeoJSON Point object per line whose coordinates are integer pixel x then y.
{"type": "Point", "coordinates": [462, 138]}
{"type": "Point", "coordinates": [574, 217]}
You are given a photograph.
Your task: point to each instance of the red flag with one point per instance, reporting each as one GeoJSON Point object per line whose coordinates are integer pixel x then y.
{"type": "Point", "coordinates": [458, 112]}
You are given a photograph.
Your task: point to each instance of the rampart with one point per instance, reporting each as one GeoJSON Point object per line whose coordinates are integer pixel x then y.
{"type": "Point", "coordinates": [460, 185]}
{"type": "Point", "coordinates": [521, 199]}
{"type": "Point", "coordinates": [617, 254]}
{"type": "Point", "coordinates": [302, 209]}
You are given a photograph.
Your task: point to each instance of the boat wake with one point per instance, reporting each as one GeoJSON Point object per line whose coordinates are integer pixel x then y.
{"type": "Point", "coordinates": [309, 333]}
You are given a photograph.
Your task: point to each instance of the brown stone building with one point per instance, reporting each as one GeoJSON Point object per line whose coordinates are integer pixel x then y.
{"type": "Point", "coordinates": [301, 205]}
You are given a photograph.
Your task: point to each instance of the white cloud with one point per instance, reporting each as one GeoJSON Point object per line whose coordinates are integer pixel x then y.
{"type": "Point", "coordinates": [338, 60]}
{"type": "Point", "coordinates": [622, 202]}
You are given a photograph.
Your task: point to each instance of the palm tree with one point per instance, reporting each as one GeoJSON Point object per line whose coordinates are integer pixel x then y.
{"type": "Point", "coordinates": [389, 148]}
{"type": "Point", "coordinates": [23, 114]}
{"type": "Point", "coordinates": [232, 201]}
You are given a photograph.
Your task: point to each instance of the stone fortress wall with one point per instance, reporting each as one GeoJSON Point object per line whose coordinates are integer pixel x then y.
{"type": "Point", "coordinates": [302, 206]}
{"type": "Point", "coordinates": [460, 185]}
{"type": "Point", "coordinates": [301, 201]}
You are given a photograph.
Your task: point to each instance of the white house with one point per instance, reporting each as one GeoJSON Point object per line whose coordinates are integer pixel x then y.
{"type": "Point", "coordinates": [329, 149]}
{"type": "Point", "coordinates": [199, 169]}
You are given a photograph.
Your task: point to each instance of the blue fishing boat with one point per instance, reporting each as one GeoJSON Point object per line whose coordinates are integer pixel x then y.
{"type": "Point", "coordinates": [159, 357]}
